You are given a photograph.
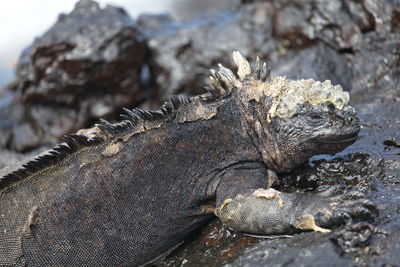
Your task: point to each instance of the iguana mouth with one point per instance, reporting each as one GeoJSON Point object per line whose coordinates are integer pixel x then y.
{"type": "Point", "coordinates": [340, 139]}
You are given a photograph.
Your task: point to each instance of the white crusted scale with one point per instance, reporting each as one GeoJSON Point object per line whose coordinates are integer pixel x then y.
{"type": "Point", "coordinates": [287, 94]}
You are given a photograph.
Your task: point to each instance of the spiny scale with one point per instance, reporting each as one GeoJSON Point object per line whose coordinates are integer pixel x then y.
{"type": "Point", "coordinates": [224, 80]}
{"type": "Point", "coordinates": [74, 142]}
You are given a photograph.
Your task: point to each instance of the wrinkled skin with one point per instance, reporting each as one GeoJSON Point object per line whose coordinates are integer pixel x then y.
{"type": "Point", "coordinates": [314, 130]}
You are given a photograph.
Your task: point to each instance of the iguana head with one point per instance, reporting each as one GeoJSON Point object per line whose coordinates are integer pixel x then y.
{"type": "Point", "coordinates": [312, 130]}
{"type": "Point", "coordinates": [290, 120]}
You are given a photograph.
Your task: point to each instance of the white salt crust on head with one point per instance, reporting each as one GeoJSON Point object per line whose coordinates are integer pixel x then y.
{"type": "Point", "coordinates": [289, 94]}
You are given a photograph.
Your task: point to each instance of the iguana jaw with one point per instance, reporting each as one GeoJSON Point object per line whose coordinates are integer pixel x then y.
{"type": "Point", "coordinates": [340, 140]}
{"type": "Point", "coordinates": [335, 143]}
{"type": "Point", "coordinates": [345, 138]}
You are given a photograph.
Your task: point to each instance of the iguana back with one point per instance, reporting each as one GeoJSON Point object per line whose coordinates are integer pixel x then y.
{"type": "Point", "coordinates": [123, 199]}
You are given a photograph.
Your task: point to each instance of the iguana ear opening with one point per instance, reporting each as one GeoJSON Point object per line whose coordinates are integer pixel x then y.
{"type": "Point", "coordinates": [224, 80]}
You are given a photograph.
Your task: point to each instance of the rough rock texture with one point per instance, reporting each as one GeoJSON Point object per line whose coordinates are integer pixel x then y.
{"type": "Point", "coordinates": [87, 65]}
{"type": "Point", "coordinates": [182, 53]}
{"type": "Point", "coordinates": [88, 52]}
{"type": "Point", "coordinates": [318, 39]}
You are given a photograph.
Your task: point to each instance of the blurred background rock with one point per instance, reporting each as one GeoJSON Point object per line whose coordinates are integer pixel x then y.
{"type": "Point", "coordinates": [31, 18]}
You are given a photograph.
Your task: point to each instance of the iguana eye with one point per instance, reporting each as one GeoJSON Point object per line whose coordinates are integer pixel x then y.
{"type": "Point", "coordinates": [316, 117]}
{"type": "Point", "coordinates": [330, 105]}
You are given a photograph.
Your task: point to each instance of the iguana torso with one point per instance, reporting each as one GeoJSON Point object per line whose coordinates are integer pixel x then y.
{"type": "Point", "coordinates": [128, 193]}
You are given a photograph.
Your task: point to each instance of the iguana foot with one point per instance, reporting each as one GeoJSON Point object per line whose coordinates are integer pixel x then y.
{"type": "Point", "coordinates": [336, 209]}
{"type": "Point", "coordinates": [268, 211]}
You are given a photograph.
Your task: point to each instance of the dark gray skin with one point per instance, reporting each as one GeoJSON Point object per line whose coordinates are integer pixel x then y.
{"type": "Point", "coordinates": [312, 130]}
{"type": "Point", "coordinates": [129, 193]}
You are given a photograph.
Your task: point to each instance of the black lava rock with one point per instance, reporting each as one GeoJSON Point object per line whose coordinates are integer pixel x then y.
{"type": "Point", "coordinates": [87, 65]}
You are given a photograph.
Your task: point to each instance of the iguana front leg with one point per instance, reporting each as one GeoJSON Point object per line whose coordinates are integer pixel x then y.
{"type": "Point", "coordinates": [244, 206]}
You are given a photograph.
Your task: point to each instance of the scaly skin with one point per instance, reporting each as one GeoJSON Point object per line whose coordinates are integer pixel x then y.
{"type": "Point", "coordinates": [128, 193]}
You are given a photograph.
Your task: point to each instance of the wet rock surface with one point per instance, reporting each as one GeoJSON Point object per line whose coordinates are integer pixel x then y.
{"type": "Point", "coordinates": [69, 78]}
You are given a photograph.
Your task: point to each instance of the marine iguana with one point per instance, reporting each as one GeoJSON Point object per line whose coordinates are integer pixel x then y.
{"type": "Point", "coordinates": [129, 193]}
